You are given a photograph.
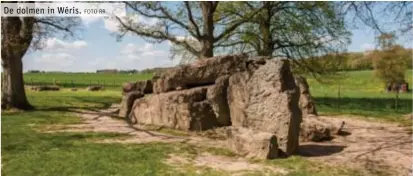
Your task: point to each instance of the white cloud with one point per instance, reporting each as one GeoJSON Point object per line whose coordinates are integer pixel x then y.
{"type": "Point", "coordinates": [367, 46]}
{"type": "Point", "coordinates": [133, 51]}
{"type": "Point", "coordinates": [139, 57]}
{"type": "Point", "coordinates": [88, 20]}
{"type": "Point", "coordinates": [58, 61]}
{"type": "Point", "coordinates": [59, 45]}
{"type": "Point", "coordinates": [112, 24]}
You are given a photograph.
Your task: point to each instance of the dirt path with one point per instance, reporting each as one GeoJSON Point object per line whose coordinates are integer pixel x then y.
{"type": "Point", "coordinates": [376, 147]}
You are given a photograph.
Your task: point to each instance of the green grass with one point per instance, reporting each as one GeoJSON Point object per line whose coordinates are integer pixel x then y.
{"type": "Point", "coordinates": [26, 151]}
{"type": "Point", "coordinates": [362, 94]}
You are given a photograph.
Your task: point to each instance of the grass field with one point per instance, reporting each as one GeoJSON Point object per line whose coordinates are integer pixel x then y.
{"type": "Point", "coordinates": [26, 151]}
{"type": "Point", "coordinates": [82, 80]}
{"type": "Point", "coordinates": [361, 93]}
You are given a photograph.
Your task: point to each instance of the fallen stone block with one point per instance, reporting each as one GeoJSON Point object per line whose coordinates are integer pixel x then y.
{"type": "Point", "coordinates": [315, 130]}
{"type": "Point", "coordinates": [252, 144]}
{"type": "Point", "coordinates": [184, 110]}
{"type": "Point", "coordinates": [45, 88]}
{"type": "Point", "coordinates": [94, 88]}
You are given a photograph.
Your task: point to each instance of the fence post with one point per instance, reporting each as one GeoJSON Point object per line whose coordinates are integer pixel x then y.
{"type": "Point", "coordinates": [397, 100]}
{"type": "Point", "coordinates": [31, 81]}
{"type": "Point", "coordinates": [338, 100]}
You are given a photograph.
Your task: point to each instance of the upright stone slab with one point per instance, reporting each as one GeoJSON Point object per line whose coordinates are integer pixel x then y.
{"type": "Point", "coordinates": [217, 97]}
{"type": "Point", "coordinates": [201, 73]}
{"type": "Point", "coordinates": [144, 86]}
{"type": "Point", "coordinates": [127, 102]}
{"type": "Point", "coordinates": [266, 99]}
{"type": "Point", "coordinates": [307, 103]}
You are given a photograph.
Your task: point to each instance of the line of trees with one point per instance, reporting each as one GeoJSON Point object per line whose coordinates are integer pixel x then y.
{"type": "Point", "coordinates": [197, 30]}
{"type": "Point", "coordinates": [350, 61]}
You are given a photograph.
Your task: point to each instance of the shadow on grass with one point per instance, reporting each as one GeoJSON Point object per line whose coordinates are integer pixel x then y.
{"type": "Point", "coordinates": [314, 150]}
{"type": "Point", "coordinates": [364, 106]}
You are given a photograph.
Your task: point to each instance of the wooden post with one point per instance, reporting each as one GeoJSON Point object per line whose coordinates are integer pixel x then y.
{"type": "Point", "coordinates": [396, 103]}
{"type": "Point", "coordinates": [54, 81]}
{"type": "Point", "coordinates": [339, 96]}
{"type": "Point", "coordinates": [73, 85]}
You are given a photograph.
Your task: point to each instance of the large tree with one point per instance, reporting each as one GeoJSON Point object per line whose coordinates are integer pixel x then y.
{"type": "Point", "coordinates": [293, 30]}
{"type": "Point", "coordinates": [19, 35]}
{"type": "Point", "coordinates": [204, 23]}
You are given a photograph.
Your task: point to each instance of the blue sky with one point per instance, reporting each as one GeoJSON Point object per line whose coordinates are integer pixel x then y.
{"type": "Point", "coordinates": [98, 49]}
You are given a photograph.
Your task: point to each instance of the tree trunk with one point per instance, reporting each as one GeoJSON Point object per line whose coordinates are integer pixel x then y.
{"type": "Point", "coordinates": [12, 91]}
{"type": "Point", "coordinates": [16, 38]}
{"type": "Point", "coordinates": [208, 10]}
{"type": "Point", "coordinates": [265, 25]}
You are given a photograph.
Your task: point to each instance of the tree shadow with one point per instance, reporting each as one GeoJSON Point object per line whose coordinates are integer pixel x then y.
{"type": "Point", "coordinates": [315, 150]}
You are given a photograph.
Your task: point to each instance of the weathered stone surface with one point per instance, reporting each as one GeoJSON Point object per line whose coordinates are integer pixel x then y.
{"type": "Point", "coordinates": [94, 88]}
{"type": "Point", "coordinates": [129, 87]}
{"type": "Point", "coordinates": [316, 130]}
{"type": "Point", "coordinates": [252, 143]}
{"type": "Point", "coordinates": [307, 103]}
{"type": "Point", "coordinates": [127, 102]}
{"type": "Point", "coordinates": [217, 97]}
{"type": "Point", "coordinates": [185, 110]}
{"type": "Point", "coordinates": [266, 99]}
{"type": "Point", "coordinates": [201, 73]}
{"type": "Point", "coordinates": [144, 86]}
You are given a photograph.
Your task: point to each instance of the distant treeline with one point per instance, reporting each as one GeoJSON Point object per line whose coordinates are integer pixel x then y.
{"type": "Point", "coordinates": [353, 61]}
{"type": "Point", "coordinates": [349, 61]}
{"type": "Point", "coordinates": [134, 71]}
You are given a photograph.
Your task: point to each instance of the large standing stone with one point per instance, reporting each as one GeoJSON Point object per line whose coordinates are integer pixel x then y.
{"type": "Point", "coordinates": [204, 72]}
{"type": "Point", "coordinates": [127, 102]}
{"type": "Point", "coordinates": [266, 99]}
{"type": "Point", "coordinates": [184, 110]}
{"type": "Point", "coordinates": [217, 97]}
{"type": "Point", "coordinates": [307, 103]}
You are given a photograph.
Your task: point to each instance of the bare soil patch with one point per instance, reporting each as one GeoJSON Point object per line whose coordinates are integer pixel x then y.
{"type": "Point", "coordinates": [376, 147]}
{"type": "Point", "coordinates": [233, 165]}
